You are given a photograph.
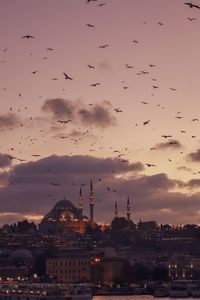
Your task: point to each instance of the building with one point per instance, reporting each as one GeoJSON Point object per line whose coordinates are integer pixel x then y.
{"type": "Point", "coordinates": [65, 217]}
{"type": "Point", "coordinates": [72, 266]}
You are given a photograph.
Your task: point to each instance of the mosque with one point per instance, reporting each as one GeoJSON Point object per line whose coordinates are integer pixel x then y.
{"type": "Point", "coordinates": [65, 217]}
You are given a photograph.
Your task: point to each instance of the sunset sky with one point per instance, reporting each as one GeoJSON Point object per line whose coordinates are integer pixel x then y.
{"type": "Point", "coordinates": [136, 133]}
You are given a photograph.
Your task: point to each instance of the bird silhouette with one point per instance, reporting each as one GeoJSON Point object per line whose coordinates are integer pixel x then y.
{"type": "Point", "coordinates": [128, 66]}
{"type": "Point", "coordinates": [95, 84]}
{"type": "Point", "coordinates": [90, 25]}
{"type": "Point", "coordinates": [150, 165]}
{"type": "Point", "coordinates": [28, 36]}
{"type": "Point", "coordinates": [191, 19]}
{"type": "Point", "coordinates": [146, 122]}
{"type": "Point", "coordinates": [191, 5]}
{"type": "Point", "coordinates": [165, 136]}
{"type": "Point", "coordinates": [91, 67]}
{"type": "Point", "coordinates": [67, 77]}
{"type": "Point", "coordinates": [104, 46]}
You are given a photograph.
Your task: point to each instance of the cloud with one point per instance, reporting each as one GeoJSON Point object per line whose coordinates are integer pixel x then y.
{"type": "Point", "coordinates": [61, 108]}
{"type": "Point", "coordinates": [9, 120]}
{"type": "Point", "coordinates": [29, 191]}
{"type": "Point", "coordinates": [97, 114]}
{"type": "Point", "coordinates": [5, 161]}
{"type": "Point", "coordinates": [194, 156]}
{"type": "Point", "coordinates": [183, 168]}
{"type": "Point", "coordinates": [171, 144]}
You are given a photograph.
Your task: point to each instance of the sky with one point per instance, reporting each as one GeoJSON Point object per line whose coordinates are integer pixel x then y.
{"type": "Point", "coordinates": [106, 91]}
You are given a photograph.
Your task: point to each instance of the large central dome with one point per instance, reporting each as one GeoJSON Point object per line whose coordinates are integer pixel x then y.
{"type": "Point", "coordinates": [64, 213]}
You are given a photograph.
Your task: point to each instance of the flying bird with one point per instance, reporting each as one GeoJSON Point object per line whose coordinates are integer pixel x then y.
{"type": "Point", "coordinates": [101, 4]}
{"type": "Point", "coordinates": [95, 84]}
{"type": "Point", "coordinates": [90, 25]}
{"type": "Point", "coordinates": [64, 121]}
{"type": "Point", "coordinates": [118, 110]}
{"type": "Point", "coordinates": [191, 5]}
{"type": "Point", "coordinates": [146, 122]}
{"type": "Point", "coordinates": [28, 36]}
{"type": "Point", "coordinates": [128, 66]}
{"type": "Point", "coordinates": [67, 77]}
{"type": "Point", "coordinates": [91, 67]}
{"type": "Point", "coordinates": [165, 136]}
{"type": "Point", "coordinates": [104, 46]}
{"type": "Point", "coordinates": [191, 19]}
{"type": "Point", "coordinates": [150, 165]}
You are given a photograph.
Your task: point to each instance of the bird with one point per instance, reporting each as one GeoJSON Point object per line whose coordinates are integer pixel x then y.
{"type": "Point", "coordinates": [36, 155]}
{"type": "Point", "coordinates": [128, 66]}
{"type": "Point", "coordinates": [191, 19]}
{"type": "Point", "coordinates": [50, 49]}
{"type": "Point", "coordinates": [173, 89]}
{"type": "Point", "coordinates": [150, 65]}
{"type": "Point", "coordinates": [28, 36]}
{"type": "Point", "coordinates": [144, 102]}
{"type": "Point", "coordinates": [34, 72]}
{"type": "Point", "coordinates": [104, 46]}
{"type": "Point", "coordinates": [101, 4]}
{"type": "Point", "coordinates": [64, 121]}
{"type": "Point", "coordinates": [90, 25]}
{"type": "Point", "coordinates": [161, 24]}
{"type": "Point", "coordinates": [135, 41]}
{"type": "Point", "coordinates": [67, 77]}
{"type": "Point", "coordinates": [95, 84]}
{"type": "Point", "coordinates": [195, 119]}
{"type": "Point", "coordinates": [165, 136]}
{"type": "Point", "coordinates": [55, 184]}
{"type": "Point", "coordinates": [146, 122]}
{"type": "Point", "coordinates": [155, 86]}
{"type": "Point", "coordinates": [191, 5]}
{"type": "Point", "coordinates": [91, 67]}
{"type": "Point", "coordinates": [118, 110]}
{"type": "Point", "coordinates": [150, 165]}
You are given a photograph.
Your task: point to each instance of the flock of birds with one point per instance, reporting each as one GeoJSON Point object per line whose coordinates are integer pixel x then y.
{"type": "Point", "coordinates": [79, 135]}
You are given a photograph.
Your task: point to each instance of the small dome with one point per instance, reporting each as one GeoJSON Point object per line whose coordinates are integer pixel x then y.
{"type": "Point", "coordinates": [21, 254]}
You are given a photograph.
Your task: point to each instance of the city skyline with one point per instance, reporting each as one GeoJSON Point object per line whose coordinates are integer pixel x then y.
{"type": "Point", "coordinates": [105, 91]}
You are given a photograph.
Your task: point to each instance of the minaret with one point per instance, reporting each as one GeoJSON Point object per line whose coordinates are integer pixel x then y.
{"type": "Point", "coordinates": [128, 212]}
{"type": "Point", "coordinates": [116, 210]}
{"type": "Point", "coordinates": [81, 203]}
{"type": "Point", "coordinates": [91, 198]}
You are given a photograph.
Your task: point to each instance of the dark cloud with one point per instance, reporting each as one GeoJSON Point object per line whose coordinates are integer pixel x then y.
{"type": "Point", "coordinates": [28, 189]}
{"type": "Point", "coordinates": [194, 156]}
{"type": "Point", "coordinates": [171, 144]}
{"type": "Point", "coordinates": [5, 161]}
{"type": "Point", "coordinates": [9, 120]}
{"type": "Point", "coordinates": [98, 114]}
{"type": "Point", "coordinates": [193, 183]}
{"type": "Point", "coordinates": [61, 108]}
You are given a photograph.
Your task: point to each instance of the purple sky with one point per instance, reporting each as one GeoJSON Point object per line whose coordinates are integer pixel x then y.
{"type": "Point", "coordinates": [154, 79]}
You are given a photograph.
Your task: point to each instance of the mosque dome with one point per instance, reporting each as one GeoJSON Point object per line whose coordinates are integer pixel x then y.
{"type": "Point", "coordinates": [63, 215]}
{"type": "Point", "coordinates": [63, 210]}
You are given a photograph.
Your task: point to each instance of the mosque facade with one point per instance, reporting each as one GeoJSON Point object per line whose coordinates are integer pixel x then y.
{"type": "Point", "coordinates": [64, 217]}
